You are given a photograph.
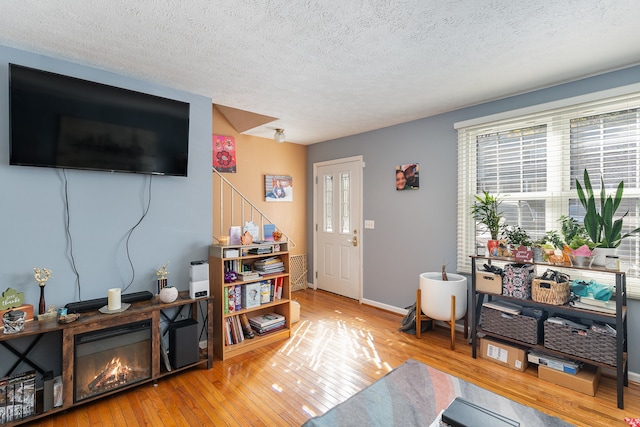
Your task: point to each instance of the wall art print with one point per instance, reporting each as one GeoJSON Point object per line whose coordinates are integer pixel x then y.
{"type": "Point", "coordinates": [278, 188]}
{"type": "Point", "coordinates": [224, 153]}
{"type": "Point", "coordinates": [407, 177]}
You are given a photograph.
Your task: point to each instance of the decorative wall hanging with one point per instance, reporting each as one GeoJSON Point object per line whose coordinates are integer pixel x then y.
{"type": "Point", "coordinates": [224, 153]}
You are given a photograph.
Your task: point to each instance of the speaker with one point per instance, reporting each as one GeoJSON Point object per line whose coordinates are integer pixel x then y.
{"type": "Point", "coordinates": [47, 391]}
{"type": "Point", "coordinates": [183, 343]}
{"type": "Point", "coordinates": [199, 279]}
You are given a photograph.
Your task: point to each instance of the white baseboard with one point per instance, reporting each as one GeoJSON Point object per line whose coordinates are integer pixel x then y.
{"type": "Point", "coordinates": [386, 307]}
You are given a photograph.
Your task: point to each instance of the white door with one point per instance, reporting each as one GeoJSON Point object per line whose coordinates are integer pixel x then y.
{"type": "Point", "coordinates": [337, 217]}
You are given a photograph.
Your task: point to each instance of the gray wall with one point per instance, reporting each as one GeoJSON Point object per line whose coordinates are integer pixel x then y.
{"type": "Point", "coordinates": [103, 207]}
{"type": "Point", "coordinates": [415, 231]}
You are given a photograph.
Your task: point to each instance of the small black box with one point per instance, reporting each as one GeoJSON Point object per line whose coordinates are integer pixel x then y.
{"type": "Point", "coordinates": [183, 343]}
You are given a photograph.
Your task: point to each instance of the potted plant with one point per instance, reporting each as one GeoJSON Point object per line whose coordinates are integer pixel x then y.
{"type": "Point", "coordinates": [574, 233]}
{"type": "Point", "coordinates": [516, 236]}
{"type": "Point", "coordinates": [486, 211]}
{"type": "Point", "coordinates": [603, 230]}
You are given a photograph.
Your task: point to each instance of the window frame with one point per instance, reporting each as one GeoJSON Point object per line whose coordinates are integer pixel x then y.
{"type": "Point", "coordinates": [557, 117]}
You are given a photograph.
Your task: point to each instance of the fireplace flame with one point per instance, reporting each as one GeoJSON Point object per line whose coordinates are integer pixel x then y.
{"type": "Point", "coordinates": [114, 374]}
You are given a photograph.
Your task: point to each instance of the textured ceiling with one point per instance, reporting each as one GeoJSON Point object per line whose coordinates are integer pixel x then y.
{"type": "Point", "coordinates": [332, 68]}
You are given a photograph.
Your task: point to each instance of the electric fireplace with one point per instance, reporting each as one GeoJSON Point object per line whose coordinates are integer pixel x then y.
{"type": "Point", "coordinates": [111, 358]}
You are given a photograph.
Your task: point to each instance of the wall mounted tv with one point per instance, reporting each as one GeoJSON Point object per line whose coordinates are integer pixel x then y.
{"type": "Point", "coordinates": [65, 122]}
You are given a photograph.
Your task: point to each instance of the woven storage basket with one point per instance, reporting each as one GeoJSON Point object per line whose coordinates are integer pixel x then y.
{"type": "Point", "coordinates": [592, 345]}
{"type": "Point", "coordinates": [522, 328]}
{"type": "Point", "coordinates": [550, 292]}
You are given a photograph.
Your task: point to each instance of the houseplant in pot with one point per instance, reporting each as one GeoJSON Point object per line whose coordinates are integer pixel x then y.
{"type": "Point", "coordinates": [601, 227]}
{"type": "Point", "coordinates": [519, 242]}
{"type": "Point", "coordinates": [577, 239]}
{"type": "Point", "coordinates": [486, 211]}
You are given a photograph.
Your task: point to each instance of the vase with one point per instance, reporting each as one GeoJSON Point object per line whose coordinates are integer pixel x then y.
{"type": "Point", "coordinates": [600, 254]}
{"type": "Point", "coordinates": [42, 307]}
{"type": "Point", "coordinates": [538, 254]}
{"type": "Point", "coordinates": [168, 294]}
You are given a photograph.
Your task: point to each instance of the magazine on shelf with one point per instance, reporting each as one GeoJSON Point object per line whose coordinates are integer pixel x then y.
{"type": "Point", "coordinates": [504, 306]}
{"type": "Point", "coordinates": [265, 320]}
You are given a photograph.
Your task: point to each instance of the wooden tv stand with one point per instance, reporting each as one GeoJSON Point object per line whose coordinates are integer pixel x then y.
{"type": "Point", "coordinates": [151, 309]}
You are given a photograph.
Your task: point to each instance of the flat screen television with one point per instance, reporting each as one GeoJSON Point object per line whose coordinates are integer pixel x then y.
{"type": "Point", "coordinates": [65, 122]}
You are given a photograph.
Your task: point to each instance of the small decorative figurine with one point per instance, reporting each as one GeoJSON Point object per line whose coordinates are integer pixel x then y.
{"type": "Point", "coordinates": [247, 238]}
{"type": "Point", "coordinates": [42, 282]}
{"type": "Point", "coordinates": [162, 274]}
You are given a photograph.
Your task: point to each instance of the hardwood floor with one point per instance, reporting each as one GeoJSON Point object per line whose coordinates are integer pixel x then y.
{"type": "Point", "coordinates": [338, 348]}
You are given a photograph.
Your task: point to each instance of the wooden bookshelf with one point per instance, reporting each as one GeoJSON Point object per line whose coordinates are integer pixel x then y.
{"type": "Point", "coordinates": [219, 256]}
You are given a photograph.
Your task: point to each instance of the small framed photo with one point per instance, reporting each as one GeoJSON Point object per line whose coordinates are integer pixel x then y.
{"type": "Point", "coordinates": [408, 177]}
{"type": "Point", "coordinates": [278, 188]}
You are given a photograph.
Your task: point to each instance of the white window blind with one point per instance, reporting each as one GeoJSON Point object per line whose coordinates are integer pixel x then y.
{"type": "Point", "coordinates": [532, 161]}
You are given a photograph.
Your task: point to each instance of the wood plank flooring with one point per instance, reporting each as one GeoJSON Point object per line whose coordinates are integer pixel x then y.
{"type": "Point", "coordinates": [338, 348]}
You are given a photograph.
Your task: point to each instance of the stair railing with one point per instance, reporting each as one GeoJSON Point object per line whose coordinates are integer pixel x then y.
{"type": "Point", "coordinates": [234, 207]}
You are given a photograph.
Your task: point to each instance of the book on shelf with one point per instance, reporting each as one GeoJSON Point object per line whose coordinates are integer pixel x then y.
{"type": "Point", "coordinates": [238, 297]}
{"type": "Point", "coordinates": [265, 292]}
{"type": "Point", "coordinates": [586, 306]}
{"type": "Point", "coordinates": [235, 232]}
{"type": "Point", "coordinates": [248, 275]}
{"type": "Point", "coordinates": [266, 319]}
{"type": "Point", "coordinates": [234, 334]}
{"type": "Point", "coordinates": [268, 230]}
{"type": "Point", "coordinates": [273, 328]}
{"type": "Point", "coordinates": [504, 306]}
{"type": "Point", "coordinates": [230, 299]}
{"type": "Point", "coordinates": [250, 295]}
{"type": "Point", "coordinates": [261, 250]}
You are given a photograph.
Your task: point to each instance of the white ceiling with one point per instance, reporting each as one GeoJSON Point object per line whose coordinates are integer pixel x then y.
{"type": "Point", "coordinates": [332, 68]}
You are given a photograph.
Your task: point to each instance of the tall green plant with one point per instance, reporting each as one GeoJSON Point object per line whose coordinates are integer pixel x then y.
{"type": "Point", "coordinates": [603, 230]}
{"type": "Point", "coordinates": [486, 211]}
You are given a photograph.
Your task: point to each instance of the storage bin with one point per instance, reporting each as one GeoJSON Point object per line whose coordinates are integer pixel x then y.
{"type": "Point", "coordinates": [590, 344]}
{"type": "Point", "coordinates": [488, 282]}
{"type": "Point", "coordinates": [550, 292]}
{"type": "Point", "coordinates": [515, 326]}
{"type": "Point", "coordinates": [517, 279]}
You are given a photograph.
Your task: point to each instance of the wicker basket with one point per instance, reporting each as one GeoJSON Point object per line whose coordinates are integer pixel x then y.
{"type": "Point", "coordinates": [550, 292]}
{"type": "Point", "coordinates": [592, 345]}
{"type": "Point", "coordinates": [522, 328]}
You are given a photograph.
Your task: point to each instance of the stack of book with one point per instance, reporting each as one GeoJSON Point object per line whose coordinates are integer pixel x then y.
{"type": "Point", "coordinates": [269, 265]}
{"type": "Point", "coordinates": [266, 323]}
{"type": "Point", "coordinates": [260, 250]}
{"type": "Point", "coordinates": [248, 275]}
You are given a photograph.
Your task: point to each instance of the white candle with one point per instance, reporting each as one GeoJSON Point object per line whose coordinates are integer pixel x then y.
{"type": "Point", "coordinates": [113, 299]}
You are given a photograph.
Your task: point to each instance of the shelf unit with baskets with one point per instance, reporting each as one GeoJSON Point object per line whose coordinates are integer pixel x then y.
{"type": "Point", "coordinates": [219, 255]}
{"type": "Point", "coordinates": [604, 350]}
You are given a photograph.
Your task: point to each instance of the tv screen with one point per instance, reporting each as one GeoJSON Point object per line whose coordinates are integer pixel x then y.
{"type": "Point", "coordinates": [65, 122]}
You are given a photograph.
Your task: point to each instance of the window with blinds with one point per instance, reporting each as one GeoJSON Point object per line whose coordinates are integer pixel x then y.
{"type": "Point", "coordinates": [532, 161]}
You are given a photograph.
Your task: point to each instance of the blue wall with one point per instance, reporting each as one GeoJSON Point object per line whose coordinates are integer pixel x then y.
{"type": "Point", "coordinates": [415, 231]}
{"type": "Point", "coordinates": [103, 207]}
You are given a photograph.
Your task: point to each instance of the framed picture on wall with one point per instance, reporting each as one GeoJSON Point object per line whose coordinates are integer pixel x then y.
{"type": "Point", "coordinates": [278, 188]}
{"type": "Point", "coordinates": [224, 153]}
{"type": "Point", "coordinates": [408, 177]}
